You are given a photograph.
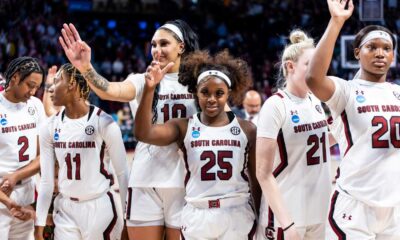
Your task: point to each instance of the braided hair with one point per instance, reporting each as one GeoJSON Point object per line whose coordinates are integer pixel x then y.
{"type": "Point", "coordinates": [75, 76]}
{"type": "Point", "coordinates": [25, 66]}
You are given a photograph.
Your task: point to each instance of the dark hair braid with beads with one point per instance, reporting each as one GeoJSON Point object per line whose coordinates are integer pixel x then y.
{"type": "Point", "coordinates": [24, 66]}
{"type": "Point", "coordinates": [75, 75]}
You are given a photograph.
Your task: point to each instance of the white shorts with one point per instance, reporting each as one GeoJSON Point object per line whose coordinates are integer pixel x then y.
{"type": "Point", "coordinates": [154, 207]}
{"type": "Point", "coordinates": [13, 228]}
{"type": "Point", "coordinates": [99, 218]}
{"type": "Point", "coordinates": [225, 223]}
{"type": "Point", "coordinates": [352, 219]}
{"type": "Point", "coordinates": [268, 229]}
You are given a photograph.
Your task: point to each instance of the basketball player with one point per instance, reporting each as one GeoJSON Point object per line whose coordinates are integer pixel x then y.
{"type": "Point", "coordinates": [219, 149]}
{"type": "Point", "coordinates": [156, 191]}
{"type": "Point", "coordinates": [77, 137]}
{"type": "Point", "coordinates": [366, 200]}
{"type": "Point", "coordinates": [20, 116]}
{"type": "Point", "coordinates": [293, 153]}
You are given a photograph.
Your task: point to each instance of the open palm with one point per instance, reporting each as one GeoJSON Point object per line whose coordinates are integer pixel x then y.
{"type": "Point", "coordinates": [337, 9]}
{"type": "Point", "coordinates": [77, 51]}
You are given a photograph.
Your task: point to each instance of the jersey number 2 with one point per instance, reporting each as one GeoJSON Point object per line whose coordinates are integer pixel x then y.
{"type": "Point", "coordinates": [314, 140]}
{"type": "Point", "coordinates": [226, 167]}
{"type": "Point", "coordinates": [23, 140]}
{"type": "Point", "coordinates": [77, 161]}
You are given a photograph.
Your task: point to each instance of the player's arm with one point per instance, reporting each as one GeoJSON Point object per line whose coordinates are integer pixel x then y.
{"type": "Point", "coordinates": [115, 146]}
{"type": "Point", "coordinates": [79, 54]}
{"type": "Point", "coordinates": [251, 132]}
{"type": "Point", "coordinates": [156, 134]}
{"type": "Point", "coordinates": [46, 181]}
{"type": "Point", "coordinates": [317, 80]}
{"type": "Point", "coordinates": [265, 153]}
{"type": "Point", "coordinates": [49, 107]}
{"type": "Point", "coordinates": [9, 181]}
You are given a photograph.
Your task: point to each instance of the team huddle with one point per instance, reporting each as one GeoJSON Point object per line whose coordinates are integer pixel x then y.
{"type": "Point", "coordinates": [200, 171]}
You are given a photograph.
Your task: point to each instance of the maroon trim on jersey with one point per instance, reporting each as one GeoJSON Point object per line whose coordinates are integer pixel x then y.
{"type": "Point", "coordinates": [282, 153]}
{"type": "Point", "coordinates": [245, 162]}
{"type": "Point", "coordinates": [129, 204]}
{"type": "Point", "coordinates": [280, 235]}
{"type": "Point", "coordinates": [271, 218]}
{"type": "Point", "coordinates": [107, 232]}
{"type": "Point", "coordinates": [252, 231]}
{"type": "Point", "coordinates": [185, 159]}
{"type": "Point", "coordinates": [337, 173]}
{"type": "Point", "coordinates": [98, 112]}
{"type": "Point", "coordinates": [347, 132]}
{"type": "Point", "coordinates": [339, 233]}
{"type": "Point", "coordinates": [278, 94]}
{"type": "Point", "coordinates": [103, 171]}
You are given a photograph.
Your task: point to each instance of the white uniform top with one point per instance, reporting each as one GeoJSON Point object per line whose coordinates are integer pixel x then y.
{"type": "Point", "coordinates": [367, 125]}
{"type": "Point", "coordinates": [79, 145]}
{"type": "Point", "coordinates": [216, 161]}
{"type": "Point", "coordinates": [302, 158]}
{"type": "Point", "coordinates": [155, 166]}
{"type": "Point", "coordinates": [20, 124]}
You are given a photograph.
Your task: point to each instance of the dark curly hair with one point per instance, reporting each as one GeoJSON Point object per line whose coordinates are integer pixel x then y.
{"type": "Point", "coordinates": [24, 66]}
{"type": "Point", "coordinates": [236, 69]}
{"type": "Point", "coordinates": [74, 75]}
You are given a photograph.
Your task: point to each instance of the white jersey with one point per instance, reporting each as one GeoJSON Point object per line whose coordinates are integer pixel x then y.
{"type": "Point", "coordinates": [79, 146]}
{"type": "Point", "coordinates": [155, 166]}
{"type": "Point", "coordinates": [20, 124]}
{"type": "Point", "coordinates": [367, 124]}
{"type": "Point", "coordinates": [216, 161]}
{"type": "Point", "coordinates": [302, 158]}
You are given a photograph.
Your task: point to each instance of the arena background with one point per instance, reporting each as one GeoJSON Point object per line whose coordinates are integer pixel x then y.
{"type": "Point", "coordinates": [119, 33]}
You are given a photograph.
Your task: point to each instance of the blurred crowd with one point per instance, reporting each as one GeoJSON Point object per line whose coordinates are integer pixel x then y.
{"type": "Point", "coordinates": [119, 34]}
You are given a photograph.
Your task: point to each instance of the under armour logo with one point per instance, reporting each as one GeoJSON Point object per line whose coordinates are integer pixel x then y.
{"type": "Point", "coordinates": [347, 217]}
{"type": "Point", "coordinates": [293, 112]}
{"type": "Point", "coordinates": [361, 92]}
{"type": "Point", "coordinates": [57, 130]}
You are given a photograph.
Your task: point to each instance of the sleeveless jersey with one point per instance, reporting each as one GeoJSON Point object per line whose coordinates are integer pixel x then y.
{"type": "Point", "coordinates": [302, 159]}
{"type": "Point", "coordinates": [20, 124]}
{"type": "Point", "coordinates": [367, 125]}
{"type": "Point", "coordinates": [79, 149]}
{"type": "Point", "coordinates": [216, 161]}
{"type": "Point", "coordinates": [155, 166]}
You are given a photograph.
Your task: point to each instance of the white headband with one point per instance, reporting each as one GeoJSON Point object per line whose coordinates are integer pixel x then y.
{"type": "Point", "coordinates": [214, 73]}
{"type": "Point", "coordinates": [376, 34]}
{"type": "Point", "coordinates": [174, 29]}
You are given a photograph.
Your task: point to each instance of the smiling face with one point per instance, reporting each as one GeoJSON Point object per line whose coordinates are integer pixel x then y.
{"type": "Point", "coordinates": [375, 56]}
{"type": "Point", "coordinates": [22, 90]}
{"type": "Point", "coordinates": [165, 48]}
{"type": "Point", "coordinates": [213, 93]}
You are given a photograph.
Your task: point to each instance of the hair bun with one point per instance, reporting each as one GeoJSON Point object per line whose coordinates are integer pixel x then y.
{"type": "Point", "coordinates": [297, 36]}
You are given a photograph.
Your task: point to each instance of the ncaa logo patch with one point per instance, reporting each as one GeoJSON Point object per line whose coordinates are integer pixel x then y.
{"type": "Point", "coordinates": [396, 95]}
{"type": "Point", "coordinates": [235, 130]}
{"type": "Point", "coordinates": [3, 121]}
{"type": "Point", "coordinates": [89, 130]}
{"type": "Point", "coordinates": [360, 96]}
{"type": "Point", "coordinates": [31, 110]}
{"type": "Point", "coordinates": [195, 134]}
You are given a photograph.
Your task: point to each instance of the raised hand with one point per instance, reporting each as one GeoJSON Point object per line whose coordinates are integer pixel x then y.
{"type": "Point", "coordinates": [77, 51]}
{"type": "Point", "coordinates": [338, 11]}
{"type": "Point", "coordinates": [154, 73]}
